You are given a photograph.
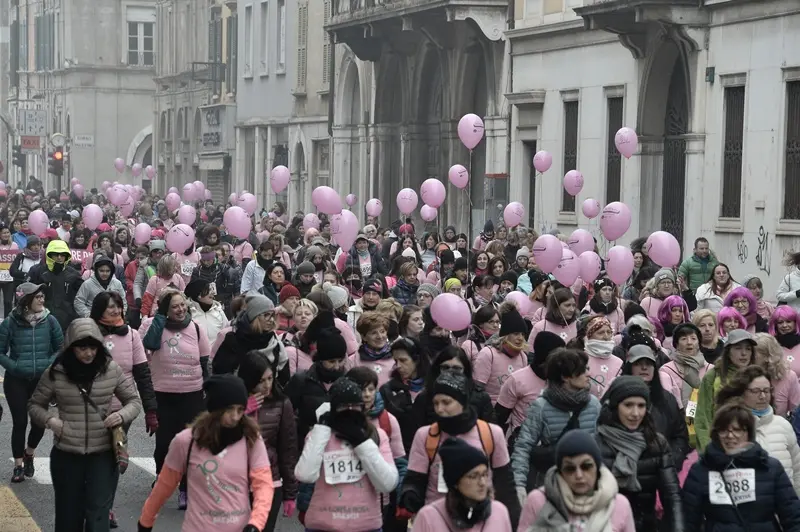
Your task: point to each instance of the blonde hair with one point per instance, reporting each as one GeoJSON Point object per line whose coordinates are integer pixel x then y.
{"type": "Point", "coordinates": [769, 355]}
{"type": "Point", "coordinates": [390, 307]}
{"type": "Point", "coordinates": [702, 314]}
{"type": "Point", "coordinates": [307, 303]}
{"type": "Point", "coordinates": [167, 266]}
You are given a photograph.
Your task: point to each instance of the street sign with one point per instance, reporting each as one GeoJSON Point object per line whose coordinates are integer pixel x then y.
{"type": "Point", "coordinates": [32, 122]}
{"type": "Point", "coordinates": [30, 144]}
{"type": "Point", "coordinates": [83, 141]}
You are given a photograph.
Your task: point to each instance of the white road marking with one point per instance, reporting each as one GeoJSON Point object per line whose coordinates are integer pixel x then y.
{"type": "Point", "coordinates": [42, 474]}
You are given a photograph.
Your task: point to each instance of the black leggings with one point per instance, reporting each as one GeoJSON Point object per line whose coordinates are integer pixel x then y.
{"type": "Point", "coordinates": [8, 297]}
{"type": "Point", "coordinates": [18, 391]}
{"type": "Point", "coordinates": [175, 412]}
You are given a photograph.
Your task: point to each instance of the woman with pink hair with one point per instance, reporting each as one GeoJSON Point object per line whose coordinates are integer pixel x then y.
{"type": "Point", "coordinates": [743, 300]}
{"type": "Point", "coordinates": [783, 326]}
{"type": "Point", "coordinates": [672, 312]}
{"type": "Point", "coordinates": [729, 320]}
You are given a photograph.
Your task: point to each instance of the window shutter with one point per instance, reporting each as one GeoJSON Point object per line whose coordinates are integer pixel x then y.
{"type": "Point", "coordinates": [233, 52]}
{"type": "Point", "coordinates": [302, 46]}
{"type": "Point", "coordinates": [326, 47]}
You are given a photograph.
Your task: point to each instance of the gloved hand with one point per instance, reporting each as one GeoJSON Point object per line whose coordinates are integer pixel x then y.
{"type": "Point", "coordinates": [411, 502]}
{"type": "Point", "coordinates": [353, 434]}
{"type": "Point", "coordinates": [151, 422]}
{"type": "Point", "coordinates": [401, 514]}
{"type": "Point", "coordinates": [797, 293]}
{"type": "Point", "coordinates": [250, 528]}
{"type": "Point", "coordinates": [289, 507]}
{"type": "Point", "coordinates": [522, 494]}
{"type": "Point", "coordinates": [163, 305]}
{"type": "Point", "coordinates": [143, 528]}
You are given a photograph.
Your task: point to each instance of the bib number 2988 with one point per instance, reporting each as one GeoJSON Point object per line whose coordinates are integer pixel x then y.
{"type": "Point", "coordinates": [736, 484]}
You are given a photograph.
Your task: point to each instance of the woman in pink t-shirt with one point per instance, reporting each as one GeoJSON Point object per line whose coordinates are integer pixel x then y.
{"type": "Point", "coordinates": [504, 354]}
{"type": "Point", "coordinates": [167, 274]}
{"type": "Point", "coordinates": [298, 348]}
{"type": "Point", "coordinates": [350, 463]}
{"type": "Point", "coordinates": [598, 343]}
{"type": "Point", "coordinates": [375, 351]}
{"type": "Point", "coordinates": [559, 317]}
{"type": "Point", "coordinates": [468, 505]}
{"type": "Point", "coordinates": [485, 324]}
{"type": "Point", "coordinates": [225, 461]}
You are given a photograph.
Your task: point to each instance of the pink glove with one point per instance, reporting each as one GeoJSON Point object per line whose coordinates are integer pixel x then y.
{"type": "Point", "coordinates": [288, 508]}
{"type": "Point", "coordinates": [254, 402]}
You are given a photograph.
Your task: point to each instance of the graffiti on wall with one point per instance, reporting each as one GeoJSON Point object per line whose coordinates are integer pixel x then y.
{"type": "Point", "coordinates": [763, 256]}
{"type": "Point", "coordinates": [741, 248]}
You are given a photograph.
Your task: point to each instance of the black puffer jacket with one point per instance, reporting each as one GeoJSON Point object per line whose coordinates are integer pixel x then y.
{"type": "Point", "coordinates": [276, 422]}
{"type": "Point", "coordinates": [398, 402]}
{"type": "Point", "coordinates": [670, 421]}
{"type": "Point", "coordinates": [776, 502]}
{"type": "Point", "coordinates": [307, 393]}
{"type": "Point", "coordinates": [656, 474]}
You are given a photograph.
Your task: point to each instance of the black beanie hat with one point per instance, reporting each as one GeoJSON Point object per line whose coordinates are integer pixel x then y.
{"type": "Point", "coordinates": [623, 387]}
{"type": "Point", "coordinates": [602, 283]}
{"type": "Point", "coordinates": [460, 264]}
{"type": "Point", "coordinates": [459, 458]}
{"type": "Point", "coordinates": [537, 278]}
{"type": "Point", "coordinates": [223, 391]}
{"type": "Point", "coordinates": [510, 275]}
{"type": "Point", "coordinates": [195, 288]}
{"type": "Point", "coordinates": [685, 329]}
{"type": "Point", "coordinates": [345, 391]}
{"type": "Point", "coordinates": [488, 227]}
{"type": "Point", "coordinates": [453, 385]}
{"type": "Point", "coordinates": [447, 257]}
{"type": "Point", "coordinates": [545, 343]}
{"type": "Point", "coordinates": [373, 285]}
{"type": "Point", "coordinates": [330, 344]}
{"type": "Point", "coordinates": [512, 322]}
{"type": "Point", "coordinates": [576, 442]}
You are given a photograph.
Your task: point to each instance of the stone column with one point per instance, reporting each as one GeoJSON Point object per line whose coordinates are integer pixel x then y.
{"type": "Point", "coordinates": [238, 161]}
{"type": "Point", "coordinates": [694, 206]}
{"type": "Point", "coordinates": [384, 172]}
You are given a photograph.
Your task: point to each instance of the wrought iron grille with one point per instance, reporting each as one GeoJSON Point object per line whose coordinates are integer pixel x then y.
{"type": "Point", "coordinates": [673, 187]}
{"type": "Point", "coordinates": [791, 196]}
{"type": "Point", "coordinates": [732, 162]}
{"type": "Point", "coordinates": [613, 157]}
{"type": "Point", "coordinates": [529, 152]}
{"type": "Point", "coordinates": [570, 150]}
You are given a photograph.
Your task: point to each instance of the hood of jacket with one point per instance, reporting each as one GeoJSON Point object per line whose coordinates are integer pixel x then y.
{"type": "Point", "coordinates": [56, 246]}
{"type": "Point", "coordinates": [80, 329]}
{"type": "Point", "coordinates": [99, 260]}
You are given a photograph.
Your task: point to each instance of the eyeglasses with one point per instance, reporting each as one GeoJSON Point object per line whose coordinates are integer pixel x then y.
{"type": "Point", "coordinates": [759, 391]}
{"type": "Point", "coordinates": [586, 467]}
{"type": "Point", "coordinates": [269, 316]}
{"type": "Point", "coordinates": [740, 302]}
{"type": "Point", "coordinates": [732, 431]}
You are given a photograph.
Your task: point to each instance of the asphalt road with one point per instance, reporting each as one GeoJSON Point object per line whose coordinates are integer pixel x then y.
{"type": "Point", "coordinates": [36, 494]}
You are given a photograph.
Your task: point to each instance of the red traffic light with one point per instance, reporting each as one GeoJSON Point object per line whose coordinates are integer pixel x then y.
{"type": "Point", "coordinates": [58, 155]}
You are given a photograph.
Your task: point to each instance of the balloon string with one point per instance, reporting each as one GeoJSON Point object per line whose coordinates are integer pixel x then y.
{"type": "Point", "coordinates": [468, 191]}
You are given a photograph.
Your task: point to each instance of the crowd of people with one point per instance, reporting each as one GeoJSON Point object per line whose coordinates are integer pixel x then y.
{"type": "Point", "coordinates": [281, 374]}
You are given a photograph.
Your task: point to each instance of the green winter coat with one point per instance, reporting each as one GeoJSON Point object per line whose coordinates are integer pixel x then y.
{"type": "Point", "coordinates": [27, 350]}
{"type": "Point", "coordinates": [695, 272]}
{"type": "Point", "coordinates": [706, 405]}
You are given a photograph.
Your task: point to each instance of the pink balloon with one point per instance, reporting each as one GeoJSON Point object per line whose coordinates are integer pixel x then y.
{"type": "Point", "coordinates": [590, 208]}
{"type": "Point", "coordinates": [173, 201]}
{"type": "Point", "coordinates": [237, 222]}
{"type": "Point", "coordinates": [522, 301]}
{"type": "Point", "coordinates": [615, 220]}
{"type": "Point", "coordinates": [187, 215]}
{"type": "Point", "coordinates": [2, 185]}
{"type": "Point", "coordinates": [663, 248]}
{"type": "Point", "coordinates": [127, 206]}
{"type": "Point", "coordinates": [568, 269]}
{"type": "Point", "coordinates": [149, 171]}
{"type": "Point", "coordinates": [626, 141]}
{"type": "Point", "coordinates": [407, 201]}
{"type": "Point", "coordinates": [432, 192]}
{"type": "Point", "coordinates": [590, 266]}
{"type": "Point", "coordinates": [104, 186]}
{"type": "Point", "coordinates": [580, 240]}
{"type": "Point", "coordinates": [117, 195]}
{"type": "Point", "coordinates": [189, 192]}
{"type": "Point", "coordinates": [173, 190]}
{"type": "Point", "coordinates": [180, 237]}
{"type": "Point", "coordinates": [310, 221]}
{"type": "Point", "coordinates": [547, 252]}
{"type": "Point", "coordinates": [351, 200]}
{"type": "Point", "coordinates": [328, 200]}
{"type": "Point", "coordinates": [470, 130]}
{"type": "Point", "coordinates": [38, 222]}
{"type": "Point", "coordinates": [248, 202]}
{"type": "Point", "coordinates": [119, 164]}
{"type": "Point", "coordinates": [458, 175]}
{"type": "Point", "coordinates": [279, 178]}
{"type": "Point", "coordinates": [428, 213]}
{"type": "Point", "coordinates": [374, 207]}
{"type": "Point", "coordinates": [208, 194]}
{"type": "Point", "coordinates": [199, 186]}
{"type": "Point", "coordinates": [542, 161]}
{"type": "Point", "coordinates": [513, 214]}
{"type": "Point", "coordinates": [92, 216]}
{"type": "Point", "coordinates": [78, 190]}
{"type": "Point", "coordinates": [619, 264]}
{"type": "Point", "coordinates": [136, 169]}
{"type": "Point", "coordinates": [74, 181]}
{"type": "Point", "coordinates": [344, 229]}
{"type": "Point", "coordinates": [141, 235]}
{"type": "Point", "coordinates": [451, 312]}
{"type": "Point", "coordinates": [233, 198]}
{"type": "Point", "coordinates": [573, 182]}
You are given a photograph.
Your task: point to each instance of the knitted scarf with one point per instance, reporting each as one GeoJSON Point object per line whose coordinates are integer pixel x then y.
{"type": "Point", "coordinates": [628, 447]}
{"type": "Point", "coordinates": [594, 509]}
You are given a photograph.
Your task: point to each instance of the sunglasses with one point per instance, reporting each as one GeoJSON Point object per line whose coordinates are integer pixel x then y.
{"type": "Point", "coordinates": [586, 467]}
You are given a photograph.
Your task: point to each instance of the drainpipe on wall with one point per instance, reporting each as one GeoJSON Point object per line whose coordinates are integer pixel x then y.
{"type": "Point", "coordinates": [510, 86]}
{"type": "Point", "coordinates": [331, 85]}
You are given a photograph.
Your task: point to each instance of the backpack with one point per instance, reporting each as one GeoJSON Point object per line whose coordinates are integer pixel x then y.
{"type": "Point", "coordinates": [435, 436]}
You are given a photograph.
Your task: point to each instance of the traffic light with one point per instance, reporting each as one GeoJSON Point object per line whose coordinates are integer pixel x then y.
{"type": "Point", "coordinates": [55, 164]}
{"type": "Point", "coordinates": [19, 158]}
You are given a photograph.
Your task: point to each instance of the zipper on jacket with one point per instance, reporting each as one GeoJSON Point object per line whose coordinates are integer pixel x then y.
{"type": "Point", "coordinates": [33, 335]}
{"type": "Point", "coordinates": [86, 423]}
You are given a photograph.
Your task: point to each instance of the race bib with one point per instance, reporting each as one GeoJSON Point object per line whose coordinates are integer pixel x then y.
{"type": "Point", "coordinates": [441, 487]}
{"type": "Point", "coordinates": [5, 276]}
{"type": "Point", "coordinates": [691, 409]}
{"type": "Point", "coordinates": [212, 288]}
{"type": "Point", "coordinates": [342, 467]}
{"type": "Point", "coordinates": [740, 483]}
{"type": "Point", "coordinates": [187, 268]}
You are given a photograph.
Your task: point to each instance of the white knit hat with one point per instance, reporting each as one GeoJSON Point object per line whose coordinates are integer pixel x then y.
{"type": "Point", "coordinates": [336, 294]}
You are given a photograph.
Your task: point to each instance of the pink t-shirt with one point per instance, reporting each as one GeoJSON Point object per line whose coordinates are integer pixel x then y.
{"type": "Point", "coordinates": [492, 367]}
{"type": "Point", "coordinates": [602, 372]}
{"type": "Point", "coordinates": [186, 264]}
{"type": "Point", "coordinates": [518, 392]}
{"type": "Point", "coordinates": [792, 356]}
{"type": "Point", "coordinates": [175, 367]}
{"type": "Point", "coordinates": [298, 360]}
{"type": "Point", "coordinates": [434, 518]}
{"type": "Point", "coordinates": [217, 484]}
{"type": "Point", "coordinates": [382, 367]}
{"type": "Point", "coordinates": [396, 438]}
{"type": "Point", "coordinates": [418, 456]}
{"type": "Point", "coordinates": [566, 333]}
{"type": "Point", "coordinates": [346, 507]}
{"type": "Point", "coordinates": [651, 306]}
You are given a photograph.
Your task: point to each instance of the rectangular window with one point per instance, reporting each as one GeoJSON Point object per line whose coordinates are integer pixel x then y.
{"type": "Point", "coordinates": [732, 154]}
{"type": "Point", "coordinates": [248, 41]}
{"type": "Point", "coordinates": [570, 150]}
{"type": "Point", "coordinates": [302, 47]}
{"type": "Point", "coordinates": [791, 196]}
{"type": "Point", "coordinates": [263, 37]}
{"type": "Point", "coordinates": [613, 158]}
{"type": "Point", "coordinates": [141, 36]}
{"type": "Point", "coordinates": [281, 33]}
{"type": "Point", "coordinates": [326, 47]}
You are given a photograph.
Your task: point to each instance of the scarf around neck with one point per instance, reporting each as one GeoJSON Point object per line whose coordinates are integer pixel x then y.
{"type": "Point", "coordinates": [595, 509]}
{"type": "Point", "coordinates": [690, 365]}
{"type": "Point", "coordinates": [628, 447]}
{"type": "Point", "coordinates": [370, 355]}
{"type": "Point", "coordinates": [599, 348]}
{"type": "Point", "coordinates": [788, 340]}
{"type": "Point", "coordinates": [566, 400]}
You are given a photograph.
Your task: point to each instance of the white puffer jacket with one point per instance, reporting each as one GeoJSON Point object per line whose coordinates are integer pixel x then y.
{"type": "Point", "coordinates": [776, 436]}
{"type": "Point", "coordinates": [787, 291]}
{"type": "Point", "coordinates": [213, 320]}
